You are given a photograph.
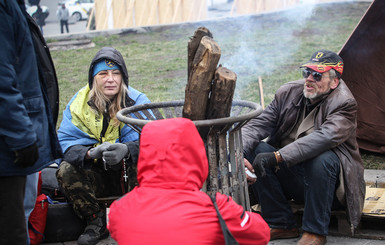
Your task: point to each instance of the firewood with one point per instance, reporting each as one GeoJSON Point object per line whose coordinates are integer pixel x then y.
{"type": "Point", "coordinates": [222, 93]}
{"type": "Point", "coordinates": [199, 83]}
{"type": "Point", "coordinates": [193, 45]}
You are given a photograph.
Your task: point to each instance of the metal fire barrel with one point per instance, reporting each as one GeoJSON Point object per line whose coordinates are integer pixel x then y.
{"type": "Point", "coordinates": [223, 142]}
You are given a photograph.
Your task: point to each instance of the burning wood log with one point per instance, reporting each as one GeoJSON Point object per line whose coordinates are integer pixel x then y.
{"type": "Point", "coordinates": [199, 82]}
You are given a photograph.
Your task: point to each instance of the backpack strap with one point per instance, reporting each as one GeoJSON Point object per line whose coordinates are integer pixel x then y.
{"type": "Point", "coordinates": [229, 238]}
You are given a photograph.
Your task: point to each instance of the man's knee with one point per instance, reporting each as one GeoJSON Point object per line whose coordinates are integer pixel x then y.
{"type": "Point", "coordinates": [325, 163]}
{"type": "Point", "coordinates": [261, 147]}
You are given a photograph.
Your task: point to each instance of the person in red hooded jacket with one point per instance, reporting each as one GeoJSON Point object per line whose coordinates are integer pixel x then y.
{"type": "Point", "coordinates": [168, 207]}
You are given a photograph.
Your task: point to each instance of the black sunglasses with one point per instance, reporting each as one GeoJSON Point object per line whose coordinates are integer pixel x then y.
{"type": "Point", "coordinates": [316, 75]}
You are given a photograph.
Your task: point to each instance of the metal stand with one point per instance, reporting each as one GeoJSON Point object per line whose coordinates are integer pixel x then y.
{"type": "Point", "coordinates": [223, 143]}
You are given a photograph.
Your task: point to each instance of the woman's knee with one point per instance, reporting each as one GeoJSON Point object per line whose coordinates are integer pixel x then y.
{"type": "Point", "coordinates": [67, 173]}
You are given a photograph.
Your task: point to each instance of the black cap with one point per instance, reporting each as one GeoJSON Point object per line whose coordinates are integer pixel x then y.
{"type": "Point", "coordinates": [324, 60]}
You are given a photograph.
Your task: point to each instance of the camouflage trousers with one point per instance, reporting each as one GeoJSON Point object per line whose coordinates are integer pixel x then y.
{"type": "Point", "coordinates": [82, 187]}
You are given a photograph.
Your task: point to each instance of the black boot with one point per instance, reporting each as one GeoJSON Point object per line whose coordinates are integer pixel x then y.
{"type": "Point", "coordinates": [95, 230]}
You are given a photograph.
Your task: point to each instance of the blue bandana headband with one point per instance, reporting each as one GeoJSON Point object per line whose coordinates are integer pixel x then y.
{"type": "Point", "coordinates": [104, 65]}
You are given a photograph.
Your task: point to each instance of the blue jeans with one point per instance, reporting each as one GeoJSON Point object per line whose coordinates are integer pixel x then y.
{"type": "Point", "coordinates": [312, 183]}
{"type": "Point", "coordinates": [30, 196]}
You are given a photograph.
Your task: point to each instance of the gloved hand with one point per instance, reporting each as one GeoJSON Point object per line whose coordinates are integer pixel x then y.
{"type": "Point", "coordinates": [27, 156]}
{"type": "Point", "coordinates": [264, 160]}
{"type": "Point", "coordinates": [97, 152]}
{"type": "Point", "coordinates": [115, 153]}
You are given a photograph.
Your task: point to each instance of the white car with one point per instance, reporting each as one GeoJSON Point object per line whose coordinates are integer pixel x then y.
{"type": "Point", "coordinates": [79, 9]}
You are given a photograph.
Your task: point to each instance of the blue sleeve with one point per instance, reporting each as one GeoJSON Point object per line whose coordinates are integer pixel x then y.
{"type": "Point", "coordinates": [138, 97]}
{"type": "Point", "coordinates": [70, 135]}
{"type": "Point", "coordinates": [15, 124]}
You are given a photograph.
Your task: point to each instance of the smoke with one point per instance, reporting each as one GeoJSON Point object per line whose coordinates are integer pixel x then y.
{"type": "Point", "coordinates": [260, 47]}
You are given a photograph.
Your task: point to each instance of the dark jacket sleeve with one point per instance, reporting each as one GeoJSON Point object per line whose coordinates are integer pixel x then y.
{"type": "Point", "coordinates": [76, 155]}
{"type": "Point", "coordinates": [133, 148]}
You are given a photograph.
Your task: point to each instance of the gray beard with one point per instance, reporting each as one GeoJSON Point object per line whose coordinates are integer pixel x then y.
{"type": "Point", "coordinates": [314, 96]}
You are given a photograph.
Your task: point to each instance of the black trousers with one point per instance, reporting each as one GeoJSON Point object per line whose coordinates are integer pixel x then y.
{"type": "Point", "coordinates": [62, 24]}
{"type": "Point", "coordinates": [13, 228]}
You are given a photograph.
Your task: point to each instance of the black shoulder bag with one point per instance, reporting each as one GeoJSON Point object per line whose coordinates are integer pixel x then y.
{"type": "Point", "coordinates": [229, 239]}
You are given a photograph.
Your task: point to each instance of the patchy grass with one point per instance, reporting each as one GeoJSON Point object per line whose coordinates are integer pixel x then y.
{"type": "Point", "coordinates": [270, 45]}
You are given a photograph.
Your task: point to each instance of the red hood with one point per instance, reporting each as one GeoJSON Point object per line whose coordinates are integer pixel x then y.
{"type": "Point", "coordinates": [172, 155]}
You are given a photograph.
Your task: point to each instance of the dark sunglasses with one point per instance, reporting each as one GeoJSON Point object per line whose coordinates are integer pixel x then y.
{"type": "Point", "coordinates": [316, 75]}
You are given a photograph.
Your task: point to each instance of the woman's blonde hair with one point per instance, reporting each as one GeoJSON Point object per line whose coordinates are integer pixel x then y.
{"type": "Point", "coordinates": [100, 101]}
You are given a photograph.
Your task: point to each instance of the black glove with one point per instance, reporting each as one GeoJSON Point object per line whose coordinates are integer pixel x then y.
{"type": "Point", "coordinates": [27, 156]}
{"type": "Point", "coordinates": [263, 161]}
{"type": "Point", "coordinates": [115, 153]}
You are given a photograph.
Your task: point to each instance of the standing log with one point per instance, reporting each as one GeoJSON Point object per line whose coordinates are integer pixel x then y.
{"type": "Point", "coordinates": [222, 93]}
{"type": "Point", "coordinates": [193, 45]}
{"type": "Point", "coordinates": [199, 83]}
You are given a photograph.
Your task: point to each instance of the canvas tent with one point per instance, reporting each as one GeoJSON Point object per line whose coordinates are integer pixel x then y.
{"type": "Point", "coordinates": [364, 73]}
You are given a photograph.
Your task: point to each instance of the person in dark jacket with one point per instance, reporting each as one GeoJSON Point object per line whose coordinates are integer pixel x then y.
{"type": "Point", "coordinates": [168, 206]}
{"type": "Point", "coordinates": [310, 153]}
{"type": "Point", "coordinates": [97, 147]}
{"type": "Point", "coordinates": [40, 17]}
{"type": "Point", "coordinates": [28, 111]}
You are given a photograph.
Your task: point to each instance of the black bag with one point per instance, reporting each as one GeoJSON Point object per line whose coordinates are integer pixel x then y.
{"type": "Point", "coordinates": [62, 223]}
{"type": "Point", "coordinates": [229, 238]}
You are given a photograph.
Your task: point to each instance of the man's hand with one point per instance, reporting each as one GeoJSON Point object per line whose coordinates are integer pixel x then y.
{"type": "Point", "coordinates": [265, 160]}
{"type": "Point", "coordinates": [250, 180]}
{"type": "Point", "coordinates": [26, 157]}
{"type": "Point", "coordinates": [97, 152]}
{"type": "Point", "coordinates": [115, 153]}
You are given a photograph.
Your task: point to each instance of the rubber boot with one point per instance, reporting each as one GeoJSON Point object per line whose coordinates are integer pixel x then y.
{"type": "Point", "coordinates": [95, 230]}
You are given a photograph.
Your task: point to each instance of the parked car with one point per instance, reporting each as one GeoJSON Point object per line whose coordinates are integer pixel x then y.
{"type": "Point", "coordinates": [79, 9]}
{"type": "Point", "coordinates": [31, 10]}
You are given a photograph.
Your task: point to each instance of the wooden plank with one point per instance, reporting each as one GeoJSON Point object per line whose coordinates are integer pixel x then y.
{"type": "Point", "coordinates": [261, 97]}
{"type": "Point", "coordinates": [92, 15]}
{"type": "Point", "coordinates": [129, 17]}
{"type": "Point", "coordinates": [241, 167]}
{"type": "Point", "coordinates": [223, 164]}
{"type": "Point", "coordinates": [212, 185]}
{"type": "Point", "coordinates": [152, 18]}
{"type": "Point", "coordinates": [157, 113]}
{"type": "Point", "coordinates": [166, 8]}
{"type": "Point", "coordinates": [123, 13]}
{"type": "Point", "coordinates": [235, 191]}
{"type": "Point", "coordinates": [202, 10]}
{"type": "Point", "coordinates": [128, 13]}
{"type": "Point", "coordinates": [142, 10]}
{"type": "Point", "coordinates": [101, 15]}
